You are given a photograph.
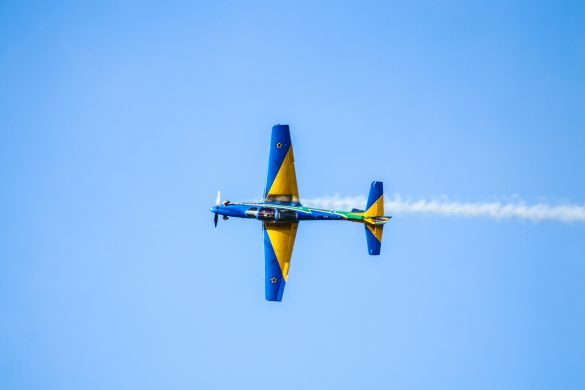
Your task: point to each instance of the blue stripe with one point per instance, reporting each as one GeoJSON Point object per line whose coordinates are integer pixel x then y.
{"type": "Point", "coordinates": [274, 290]}
{"type": "Point", "coordinates": [281, 137]}
{"type": "Point", "coordinates": [374, 245]}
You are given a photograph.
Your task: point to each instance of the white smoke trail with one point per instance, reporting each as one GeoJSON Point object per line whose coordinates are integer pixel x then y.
{"type": "Point", "coordinates": [516, 209]}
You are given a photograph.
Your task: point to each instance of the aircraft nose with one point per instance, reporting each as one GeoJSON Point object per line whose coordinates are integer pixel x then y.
{"type": "Point", "coordinates": [214, 209]}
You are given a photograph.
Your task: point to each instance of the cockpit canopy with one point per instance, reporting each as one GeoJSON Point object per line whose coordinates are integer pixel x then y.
{"type": "Point", "coordinates": [272, 214]}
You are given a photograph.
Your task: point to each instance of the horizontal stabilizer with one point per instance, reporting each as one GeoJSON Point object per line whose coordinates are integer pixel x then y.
{"type": "Point", "coordinates": [375, 206]}
{"type": "Point", "coordinates": [374, 218]}
{"type": "Point", "coordinates": [357, 211]}
{"type": "Point", "coordinates": [374, 238]}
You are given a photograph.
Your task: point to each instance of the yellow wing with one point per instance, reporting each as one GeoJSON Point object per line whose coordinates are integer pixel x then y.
{"type": "Point", "coordinates": [281, 184]}
{"type": "Point", "coordinates": [279, 240]}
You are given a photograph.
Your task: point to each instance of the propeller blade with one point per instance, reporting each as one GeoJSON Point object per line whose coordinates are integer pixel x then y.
{"type": "Point", "coordinates": [218, 199]}
{"type": "Point", "coordinates": [215, 219]}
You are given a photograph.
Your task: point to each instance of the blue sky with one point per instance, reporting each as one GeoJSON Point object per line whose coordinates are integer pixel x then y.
{"type": "Point", "coordinates": [119, 121]}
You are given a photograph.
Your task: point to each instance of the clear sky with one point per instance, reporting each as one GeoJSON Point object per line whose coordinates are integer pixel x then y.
{"type": "Point", "coordinates": [119, 121]}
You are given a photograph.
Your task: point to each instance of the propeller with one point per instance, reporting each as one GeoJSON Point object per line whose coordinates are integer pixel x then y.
{"type": "Point", "coordinates": [216, 217]}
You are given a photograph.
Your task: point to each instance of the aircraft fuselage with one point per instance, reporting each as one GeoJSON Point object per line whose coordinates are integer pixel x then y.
{"type": "Point", "coordinates": [274, 212]}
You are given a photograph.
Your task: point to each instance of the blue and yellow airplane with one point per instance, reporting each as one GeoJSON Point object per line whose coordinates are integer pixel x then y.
{"type": "Point", "coordinates": [281, 211]}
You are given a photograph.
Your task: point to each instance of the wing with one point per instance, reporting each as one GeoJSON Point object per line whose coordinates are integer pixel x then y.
{"type": "Point", "coordinates": [281, 185]}
{"type": "Point", "coordinates": [279, 239]}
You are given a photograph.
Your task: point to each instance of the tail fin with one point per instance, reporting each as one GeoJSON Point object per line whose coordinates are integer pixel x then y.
{"type": "Point", "coordinates": [375, 226]}
{"type": "Point", "coordinates": [374, 238]}
{"type": "Point", "coordinates": [375, 207]}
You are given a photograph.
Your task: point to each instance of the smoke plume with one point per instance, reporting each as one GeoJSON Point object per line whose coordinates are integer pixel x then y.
{"type": "Point", "coordinates": [515, 209]}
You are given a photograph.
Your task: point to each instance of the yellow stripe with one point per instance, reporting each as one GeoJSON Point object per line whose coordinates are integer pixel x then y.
{"type": "Point", "coordinates": [377, 230]}
{"type": "Point", "coordinates": [282, 237]}
{"type": "Point", "coordinates": [284, 187]}
{"type": "Point", "coordinates": [376, 209]}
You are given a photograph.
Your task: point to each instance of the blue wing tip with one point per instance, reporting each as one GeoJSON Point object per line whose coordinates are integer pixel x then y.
{"type": "Point", "coordinates": [281, 133]}
{"type": "Point", "coordinates": [274, 292]}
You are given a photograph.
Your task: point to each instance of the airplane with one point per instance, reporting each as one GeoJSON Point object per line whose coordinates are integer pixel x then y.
{"type": "Point", "coordinates": [281, 211]}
